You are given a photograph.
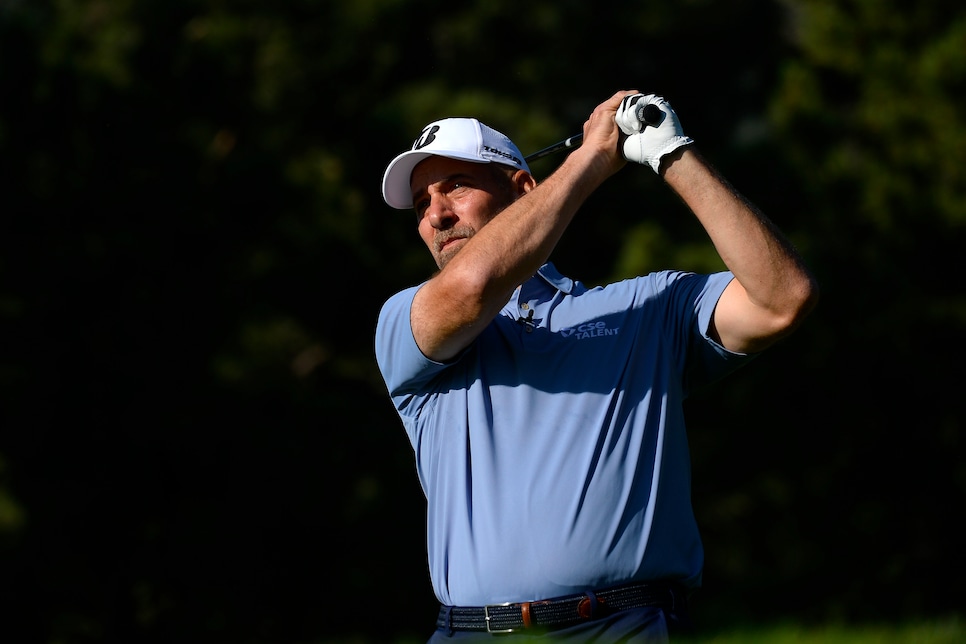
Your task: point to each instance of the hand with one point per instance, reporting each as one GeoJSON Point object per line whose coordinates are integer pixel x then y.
{"type": "Point", "coordinates": [602, 137]}
{"type": "Point", "coordinates": [649, 136]}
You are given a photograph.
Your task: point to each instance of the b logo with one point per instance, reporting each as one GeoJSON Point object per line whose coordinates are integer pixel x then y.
{"type": "Point", "coordinates": [428, 136]}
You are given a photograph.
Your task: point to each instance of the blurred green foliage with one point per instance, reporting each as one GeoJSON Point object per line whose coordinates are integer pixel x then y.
{"type": "Point", "coordinates": [195, 444]}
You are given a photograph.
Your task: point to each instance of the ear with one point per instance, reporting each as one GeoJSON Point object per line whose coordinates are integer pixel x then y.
{"type": "Point", "coordinates": [524, 182]}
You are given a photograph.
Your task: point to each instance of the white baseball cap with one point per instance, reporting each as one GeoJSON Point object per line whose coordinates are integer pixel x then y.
{"type": "Point", "coordinates": [456, 138]}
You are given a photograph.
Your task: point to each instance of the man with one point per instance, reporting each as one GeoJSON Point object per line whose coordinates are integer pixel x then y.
{"type": "Point", "coordinates": [546, 417]}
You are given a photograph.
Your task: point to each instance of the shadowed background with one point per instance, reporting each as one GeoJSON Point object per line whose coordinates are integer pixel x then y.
{"type": "Point", "coordinates": [195, 444]}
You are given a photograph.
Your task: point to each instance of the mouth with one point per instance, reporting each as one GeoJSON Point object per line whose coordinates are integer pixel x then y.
{"type": "Point", "coordinates": [448, 243]}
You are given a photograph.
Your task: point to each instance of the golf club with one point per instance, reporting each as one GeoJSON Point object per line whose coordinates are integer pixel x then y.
{"type": "Point", "coordinates": [649, 114]}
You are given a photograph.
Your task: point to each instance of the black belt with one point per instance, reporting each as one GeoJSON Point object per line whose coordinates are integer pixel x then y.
{"type": "Point", "coordinates": [560, 611]}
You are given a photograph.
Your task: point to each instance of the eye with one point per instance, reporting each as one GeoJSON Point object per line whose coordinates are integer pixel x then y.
{"type": "Point", "coordinates": [420, 207]}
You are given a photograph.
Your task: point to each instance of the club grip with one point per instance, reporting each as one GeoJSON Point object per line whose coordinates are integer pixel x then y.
{"type": "Point", "coordinates": [650, 114]}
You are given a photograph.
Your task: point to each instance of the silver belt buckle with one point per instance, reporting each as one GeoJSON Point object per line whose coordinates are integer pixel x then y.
{"type": "Point", "coordinates": [486, 613]}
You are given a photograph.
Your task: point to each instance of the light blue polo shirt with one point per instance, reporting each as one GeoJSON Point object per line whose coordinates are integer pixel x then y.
{"type": "Point", "coordinates": [552, 451]}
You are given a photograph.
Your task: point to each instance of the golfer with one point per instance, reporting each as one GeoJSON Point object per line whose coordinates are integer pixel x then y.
{"type": "Point", "coordinates": [546, 416]}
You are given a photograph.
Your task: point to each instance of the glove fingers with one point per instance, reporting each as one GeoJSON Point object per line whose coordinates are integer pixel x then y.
{"type": "Point", "coordinates": [631, 113]}
{"type": "Point", "coordinates": [631, 100]}
{"type": "Point", "coordinates": [626, 116]}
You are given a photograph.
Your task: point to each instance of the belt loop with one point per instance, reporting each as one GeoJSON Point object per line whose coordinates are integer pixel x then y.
{"type": "Point", "coordinates": [448, 612]}
{"type": "Point", "coordinates": [525, 612]}
{"type": "Point", "coordinates": [587, 608]}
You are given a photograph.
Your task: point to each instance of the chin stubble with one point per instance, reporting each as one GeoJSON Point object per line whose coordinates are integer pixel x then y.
{"type": "Point", "coordinates": [443, 236]}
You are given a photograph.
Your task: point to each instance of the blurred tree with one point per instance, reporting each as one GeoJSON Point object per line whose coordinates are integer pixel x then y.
{"type": "Point", "coordinates": [195, 442]}
{"type": "Point", "coordinates": [862, 434]}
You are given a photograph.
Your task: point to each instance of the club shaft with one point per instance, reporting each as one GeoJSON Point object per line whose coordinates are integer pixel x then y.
{"type": "Point", "coordinates": [650, 115]}
{"type": "Point", "coordinates": [568, 143]}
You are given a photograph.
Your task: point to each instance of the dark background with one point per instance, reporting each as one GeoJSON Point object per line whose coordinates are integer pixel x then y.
{"type": "Point", "coordinates": [195, 444]}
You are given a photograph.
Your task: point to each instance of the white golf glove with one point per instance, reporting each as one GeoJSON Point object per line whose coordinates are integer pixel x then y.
{"type": "Point", "coordinates": [650, 134]}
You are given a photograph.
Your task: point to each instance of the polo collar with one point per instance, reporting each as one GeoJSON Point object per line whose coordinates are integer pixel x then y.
{"type": "Point", "coordinates": [553, 277]}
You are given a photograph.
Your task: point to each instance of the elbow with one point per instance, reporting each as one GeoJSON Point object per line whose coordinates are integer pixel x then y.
{"type": "Point", "coordinates": [741, 324]}
{"type": "Point", "coordinates": [467, 298]}
{"type": "Point", "coordinates": [468, 287]}
{"type": "Point", "coordinates": [801, 300]}
{"type": "Point", "coordinates": [808, 296]}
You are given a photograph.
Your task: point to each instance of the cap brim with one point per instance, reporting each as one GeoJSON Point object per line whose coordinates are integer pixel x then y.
{"type": "Point", "coordinates": [396, 187]}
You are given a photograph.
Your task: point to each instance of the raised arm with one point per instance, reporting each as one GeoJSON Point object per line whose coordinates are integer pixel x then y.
{"type": "Point", "coordinates": [773, 290]}
{"type": "Point", "coordinates": [453, 307]}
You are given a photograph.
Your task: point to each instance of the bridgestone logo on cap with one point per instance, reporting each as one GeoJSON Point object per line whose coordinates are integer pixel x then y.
{"type": "Point", "coordinates": [427, 136]}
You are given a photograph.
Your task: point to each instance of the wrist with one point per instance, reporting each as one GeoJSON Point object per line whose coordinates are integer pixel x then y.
{"type": "Point", "coordinates": [590, 167]}
{"type": "Point", "coordinates": [671, 158]}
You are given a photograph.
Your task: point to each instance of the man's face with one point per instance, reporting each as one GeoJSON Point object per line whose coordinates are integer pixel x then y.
{"type": "Point", "coordinates": [454, 199]}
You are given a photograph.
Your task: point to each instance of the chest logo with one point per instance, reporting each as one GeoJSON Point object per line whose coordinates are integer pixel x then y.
{"type": "Point", "coordinates": [589, 330]}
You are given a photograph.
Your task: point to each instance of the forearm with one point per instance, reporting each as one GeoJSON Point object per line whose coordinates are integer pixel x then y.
{"type": "Point", "coordinates": [510, 248]}
{"type": "Point", "coordinates": [471, 289]}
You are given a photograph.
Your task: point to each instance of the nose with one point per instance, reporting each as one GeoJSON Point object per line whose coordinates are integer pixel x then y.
{"type": "Point", "coordinates": [439, 212]}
